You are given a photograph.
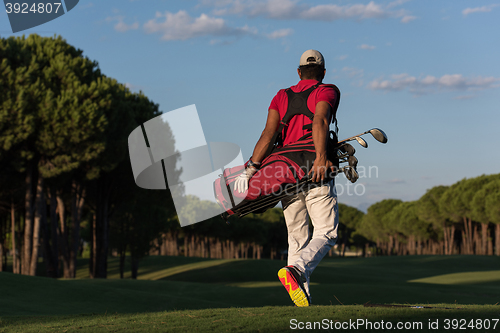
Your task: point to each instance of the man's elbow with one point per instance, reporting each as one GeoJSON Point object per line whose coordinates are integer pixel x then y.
{"type": "Point", "coordinates": [320, 122]}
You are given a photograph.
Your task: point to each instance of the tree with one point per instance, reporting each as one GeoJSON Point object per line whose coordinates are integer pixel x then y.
{"type": "Point", "coordinates": [428, 209]}
{"type": "Point", "coordinates": [479, 212]}
{"type": "Point", "coordinates": [350, 219]}
{"type": "Point", "coordinates": [456, 203]}
{"type": "Point", "coordinates": [374, 224]}
{"type": "Point", "coordinates": [64, 128]}
{"type": "Point", "coordinates": [492, 208]}
{"type": "Point", "coordinates": [53, 119]}
{"type": "Point", "coordinates": [21, 94]}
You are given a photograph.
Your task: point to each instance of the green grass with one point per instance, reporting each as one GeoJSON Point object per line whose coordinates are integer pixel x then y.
{"type": "Point", "coordinates": [262, 319]}
{"type": "Point", "coordinates": [194, 294]}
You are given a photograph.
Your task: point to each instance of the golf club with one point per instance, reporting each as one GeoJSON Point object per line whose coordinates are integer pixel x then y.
{"type": "Point", "coordinates": [346, 148]}
{"type": "Point", "coordinates": [362, 142]}
{"type": "Point", "coordinates": [353, 161]}
{"type": "Point", "coordinates": [351, 174]}
{"type": "Point", "coordinates": [377, 133]}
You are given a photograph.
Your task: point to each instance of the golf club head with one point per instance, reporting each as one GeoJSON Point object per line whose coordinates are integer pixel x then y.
{"type": "Point", "coordinates": [347, 149]}
{"type": "Point", "coordinates": [353, 161]}
{"type": "Point", "coordinates": [351, 174]}
{"type": "Point", "coordinates": [362, 142]}
{"type": "Point", "coordinates": [379, 135]}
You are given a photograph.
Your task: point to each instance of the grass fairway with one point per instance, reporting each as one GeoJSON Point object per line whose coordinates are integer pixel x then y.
{"type": "Point", "coordinates": [194, 294]}
{"type": "Point", "coordinates": [270, 319]}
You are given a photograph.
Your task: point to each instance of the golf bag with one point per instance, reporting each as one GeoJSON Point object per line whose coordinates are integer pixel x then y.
{"type": "Point", "coordinates": [285, 168]}
{"type": "Point", "coordinates": [279, 175]}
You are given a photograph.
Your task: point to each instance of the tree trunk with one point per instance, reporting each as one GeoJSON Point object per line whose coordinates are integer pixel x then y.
{"type": "Point", "coordinates": [192, 246]}
{"type": "Point", "coordinates": [92, 267]}
{"type": "Point", "coordinates": [234, 250]}
{"type": "Point", "coordinates": [53, 230]}
{"type": "Point", "coordinates": [36, 226]}
{"type": "Point", "coordinates": [48, 256]}
{"type": "Point", "coordinates": [175, 245]}
{"type": "Point", "coordinates": [448, 250]}
{"type": "Point", "coordinates": [490, 243]}
{"type": "Point", "coordinates": [28, 222]}
{"type": "Point", "coordinates": [134, 266]}
{"type": "Point", "coordinates": [186, 252]}
{"type": "Point", "coordinates": [100, 231]}
{"type": "Point", "coordinates": [453, 247]}
{"type": "Point", "coordinates": [484, 238]}
{"type": "Point", "coordinates": [13, 236]}
{"type": "Point", "coordinates": [397, 245]}
{"type": "Point", "coordinates": [467, 236]}
{"type": "Point", "coordinates": [77, 202]}
{"type": "Point", "coordinates": [2, 250]}
{"type": "Point", "coordinates": [122, 262]}
{"type": "Point", "coordinates": [497, 239]}
{"type": "Point", "coordinates": [390, 245]}
{"type": "Point", "coordinates": [63, 236]}
{"type": "Point", "coordinates": [476, 246]}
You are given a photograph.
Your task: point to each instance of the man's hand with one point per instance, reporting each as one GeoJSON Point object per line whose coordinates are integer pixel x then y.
{"type": "Point", "coordinates": [321, 167]}
{"type": "Point", "coordinates": [241, 183]}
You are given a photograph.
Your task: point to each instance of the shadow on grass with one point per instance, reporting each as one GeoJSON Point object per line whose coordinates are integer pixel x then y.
{"type": "Point", "coordinates": [269, 319]}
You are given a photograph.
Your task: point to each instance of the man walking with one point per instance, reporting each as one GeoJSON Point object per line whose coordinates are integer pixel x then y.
{"type": "Point", "coordinates": [317, 203]}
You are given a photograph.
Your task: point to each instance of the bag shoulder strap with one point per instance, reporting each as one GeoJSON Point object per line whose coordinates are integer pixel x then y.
{"type": "Point", "coordinates": [300, 99]}
{"type": "Point", "coordinates": [335, 106]}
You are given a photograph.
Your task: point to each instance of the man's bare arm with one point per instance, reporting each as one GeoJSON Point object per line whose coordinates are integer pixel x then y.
{"type": "Point", "coordinates": [320, 127]}
{"type": "Point", "coordinates": [272, 123]}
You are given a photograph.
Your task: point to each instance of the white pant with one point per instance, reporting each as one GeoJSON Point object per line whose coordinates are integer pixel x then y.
{"type": "Point", "coordinates": [320, 204]}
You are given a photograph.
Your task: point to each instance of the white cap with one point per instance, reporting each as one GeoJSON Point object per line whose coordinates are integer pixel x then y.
{"type": "Point", "coordinates": [312, 57]}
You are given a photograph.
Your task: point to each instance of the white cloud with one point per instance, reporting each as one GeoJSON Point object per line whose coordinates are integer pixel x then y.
{"type": "Point", "coordinates": [483, 9]}
{"type": "Point", "coordinates": [342, 57]}
{"type": "Point", "coordinates": [408, 18]}
{"type": "Point", "coordinates": [293, 9]}
{"type": "Point", "coordinates": [334, 12]}
{"type": "Point", "coordinates": [430, 83]}
{"type": "Point", "coordinates": [181, 26]}
{"type": "Point", "coordinates": [366, 47]}
{"type": "Point", "coordinates": [397, 3]}
{"type": "Point", "coordinates": [279, 33]}
{"type": "Point", "coordinates": [121, 26]}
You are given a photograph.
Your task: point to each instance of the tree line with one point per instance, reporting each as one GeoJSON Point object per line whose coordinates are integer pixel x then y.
{"type": "Point", "coordinates": [65, 175]}
{"type": "Point", "coordinates": [463, 218]}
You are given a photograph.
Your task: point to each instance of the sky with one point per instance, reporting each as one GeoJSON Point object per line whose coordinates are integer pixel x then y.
{"type": "Point", "coordinates": [426, 72]}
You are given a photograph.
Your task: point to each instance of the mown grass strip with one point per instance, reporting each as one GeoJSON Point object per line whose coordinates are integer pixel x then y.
{"type": "Point", "coordinates": [266, 319]}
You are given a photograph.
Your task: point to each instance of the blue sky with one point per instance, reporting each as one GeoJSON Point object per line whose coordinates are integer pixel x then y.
{"type": "Point", "coordinates": [426, 72]}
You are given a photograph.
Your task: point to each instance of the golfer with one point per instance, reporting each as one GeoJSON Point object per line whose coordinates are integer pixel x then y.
{"type": "Point", "coordinates": [317, 203]}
